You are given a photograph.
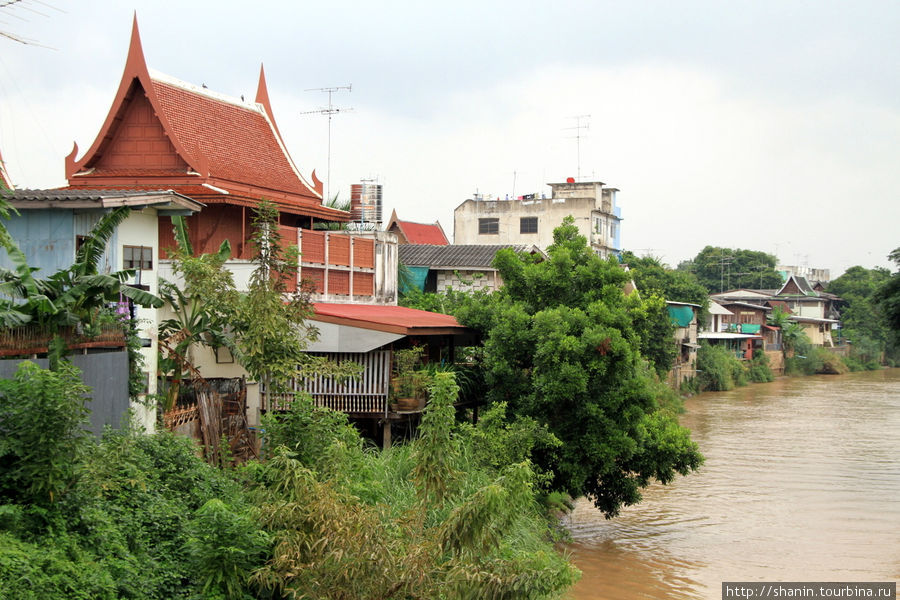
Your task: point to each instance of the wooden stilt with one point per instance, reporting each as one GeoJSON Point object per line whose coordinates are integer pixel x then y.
{"type": "Point", "coordinates": [386, 434]}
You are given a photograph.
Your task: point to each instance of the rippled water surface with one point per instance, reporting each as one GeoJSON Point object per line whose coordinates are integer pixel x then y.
{"type": "Point", "coordinates": [801, 483]}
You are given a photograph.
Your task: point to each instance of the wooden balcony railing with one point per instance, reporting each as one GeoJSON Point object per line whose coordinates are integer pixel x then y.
{"type": "Point", "coordinates": [31, 339]}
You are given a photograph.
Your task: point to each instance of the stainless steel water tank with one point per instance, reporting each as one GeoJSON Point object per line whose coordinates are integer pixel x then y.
{"type": "Point", "coordinates": [365, 202]}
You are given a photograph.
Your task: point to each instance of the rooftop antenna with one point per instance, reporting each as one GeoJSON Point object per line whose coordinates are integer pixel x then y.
{"type": "Point", "coordinates": [330, 110]}
{"type": "Point", "coordinates": [578, 127]}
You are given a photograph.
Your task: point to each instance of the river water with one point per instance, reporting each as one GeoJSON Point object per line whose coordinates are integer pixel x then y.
{"type": "Point", "coordinates": [801, 483]}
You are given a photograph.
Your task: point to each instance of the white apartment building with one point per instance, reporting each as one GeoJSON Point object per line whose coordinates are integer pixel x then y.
{"type": "Point", "coordinates": [531, 220]}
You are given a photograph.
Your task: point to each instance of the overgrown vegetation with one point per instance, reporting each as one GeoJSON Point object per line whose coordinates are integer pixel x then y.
{"type": "Point", "coordinates": [869, 314]}
{"type": "Point", "coordinates": [142, 516]}
{"type": "Point", "coordinates": [758, 370]}
{"type": "Point", "coordinates": [719, 369]}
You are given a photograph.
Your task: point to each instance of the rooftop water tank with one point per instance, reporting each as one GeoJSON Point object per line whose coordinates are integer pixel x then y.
{"type": "Point", "coordinates": [365, 202]}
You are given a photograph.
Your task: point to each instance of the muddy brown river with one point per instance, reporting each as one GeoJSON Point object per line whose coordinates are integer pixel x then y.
{"type": "Point", "coordinates": [801, 483]}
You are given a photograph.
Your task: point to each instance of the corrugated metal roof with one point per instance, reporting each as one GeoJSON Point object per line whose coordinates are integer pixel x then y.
{"type": "Point", "coordinates": [462, 255]}
{"type": "Point", "coordinates": [99, 198]}
{"type": "Point", "coordinates": [395, 319]}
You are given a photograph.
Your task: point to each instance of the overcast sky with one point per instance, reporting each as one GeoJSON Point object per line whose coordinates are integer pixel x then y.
{"type": "Point", "coordinates": [768, 125]}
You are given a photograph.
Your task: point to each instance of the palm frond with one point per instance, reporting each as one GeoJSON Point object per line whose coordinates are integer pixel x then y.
{"type": "Point", "coordinates": [89, 254]}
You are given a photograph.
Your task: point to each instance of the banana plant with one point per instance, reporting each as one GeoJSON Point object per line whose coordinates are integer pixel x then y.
{"type": "Point", "coordinates": [71, 297]}
{"type": "Point", "coordinates": [195, 320]}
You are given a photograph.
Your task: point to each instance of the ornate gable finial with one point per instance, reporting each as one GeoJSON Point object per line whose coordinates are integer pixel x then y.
{"type": "Point", "coordinates": [135, 64]}
{"type": "Point", "coordinates": [262, 91]}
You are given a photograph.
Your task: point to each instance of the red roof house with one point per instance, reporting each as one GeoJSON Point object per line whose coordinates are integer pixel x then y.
{"type": "Point", "coordinates": [162, 133]}
{"type": "Point", "coordinates": [417, 233]}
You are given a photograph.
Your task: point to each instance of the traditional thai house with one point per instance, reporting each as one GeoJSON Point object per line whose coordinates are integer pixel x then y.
{"type": "Point", "coordinates": [227, 153]}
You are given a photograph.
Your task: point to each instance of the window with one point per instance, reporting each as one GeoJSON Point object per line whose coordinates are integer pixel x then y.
{"type": "Point", "coordinates": [489, 226]}
{"type": "Point", "coordinates": [137, 257]}
{"type": "Point", "coordinates": [528, 225]}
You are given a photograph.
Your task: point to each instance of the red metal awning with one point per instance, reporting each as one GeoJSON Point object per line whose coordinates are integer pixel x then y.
{"type": "Point", "coordinates": [391, 319]}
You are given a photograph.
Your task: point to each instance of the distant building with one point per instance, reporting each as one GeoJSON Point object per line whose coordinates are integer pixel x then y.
{"type": "Point", "coordinates": [814, 311]}
{"type": "Point", "coordinates": [531, 220]}
{"type": "Point", "coordinates": [456, 267]}
{"type": "Point", "coordinates": [809, 273]}
{"type": "Point", "coordinates": [683, 316]}
{"type": "Point", "coordinates": [408, 232]}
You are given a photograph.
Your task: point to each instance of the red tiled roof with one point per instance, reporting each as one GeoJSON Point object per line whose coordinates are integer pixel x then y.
{"type": "Point", "coordinates": [174, 132]}
{"type": "Point", "coordinates": [395, 319]}
{"type": "Point", "coordinates": [421, 233]}
{"type": "Point", "coordinates": [238, 141]}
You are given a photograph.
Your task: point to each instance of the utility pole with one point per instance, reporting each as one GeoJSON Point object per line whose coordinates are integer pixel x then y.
{"type": "Point", "coordinates": [578, 127]}
{"type": "Point", "coordinates": [330, 110]}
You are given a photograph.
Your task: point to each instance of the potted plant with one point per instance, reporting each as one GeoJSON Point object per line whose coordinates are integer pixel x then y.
{"type": "Point", "coordinates": [408, 383]}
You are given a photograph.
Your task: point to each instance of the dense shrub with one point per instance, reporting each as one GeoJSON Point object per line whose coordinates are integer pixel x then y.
{"type": "Point", "coordinates": [759, 371]}
{"type": "Point", "coordinates": [719, 369]}
{"type": "Point", "coordinates": [42, 414]}
{"type": "Point", "coordinates": [143, 517]}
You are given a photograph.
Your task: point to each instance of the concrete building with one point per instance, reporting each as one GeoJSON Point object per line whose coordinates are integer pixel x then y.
{"type": "Point", "coordinates": [531, 220]}
{"type": "Point", "coordinates": [805, 271]}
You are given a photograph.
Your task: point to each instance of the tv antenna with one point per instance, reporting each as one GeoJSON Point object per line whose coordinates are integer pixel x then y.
{"type": "Point", "coordinates": [578, 127]}
{"type": "Point", "coordinates": [330, 110]}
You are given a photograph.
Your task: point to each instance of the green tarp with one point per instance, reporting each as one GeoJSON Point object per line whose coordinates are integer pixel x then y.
{"type": "Point", "coordinates": [417, 278]}
{"type": "Point", "coordinates": [681, 315]}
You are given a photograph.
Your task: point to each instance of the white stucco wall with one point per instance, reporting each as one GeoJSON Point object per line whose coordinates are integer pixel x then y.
{"type": "Point", "coordinates": [141, 229]}
{"type": "Point", "coordinates": [599, 227]}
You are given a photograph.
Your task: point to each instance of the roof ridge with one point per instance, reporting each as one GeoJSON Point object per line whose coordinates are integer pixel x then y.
{"type": "Point", "coordinates": [160, 77]}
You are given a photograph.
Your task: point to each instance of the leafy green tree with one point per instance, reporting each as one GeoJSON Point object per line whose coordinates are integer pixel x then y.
{"type": "Point", "coordinates": [888, 299]}
{"type": "Point", "coordinates": [720, 269]}
{"type": "Point", "coordinates": [224, 547]}
{"type": "Point", "coordinates": [652, 277]}
{"type": "Point", "coordinates": [270, 321]}
{"type": "Point", "coordinates": [864, 322]}
{"type": "Point", "coordinates": [562, 347]}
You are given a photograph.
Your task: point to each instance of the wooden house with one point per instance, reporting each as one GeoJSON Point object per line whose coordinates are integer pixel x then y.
{"type": "Point", "coordinates": [227, 153]}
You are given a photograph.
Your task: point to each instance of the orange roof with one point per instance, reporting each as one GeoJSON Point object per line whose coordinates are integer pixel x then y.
{"type": "Point", "coordinates": [431, 234]}
{"type": "Point", "coordinates": [162, 132]}
{"type": "Point", "coordinates": [420, 233]}
{"type": "Point", "coordinates": [392, 319]}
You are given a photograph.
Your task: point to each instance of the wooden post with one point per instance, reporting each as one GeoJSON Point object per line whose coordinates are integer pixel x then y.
{"type": "Point", "coordinates": [386, 434]}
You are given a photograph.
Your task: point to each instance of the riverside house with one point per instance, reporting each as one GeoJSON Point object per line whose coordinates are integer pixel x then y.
{"type": "Point", "coordinates": [163, 135]}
